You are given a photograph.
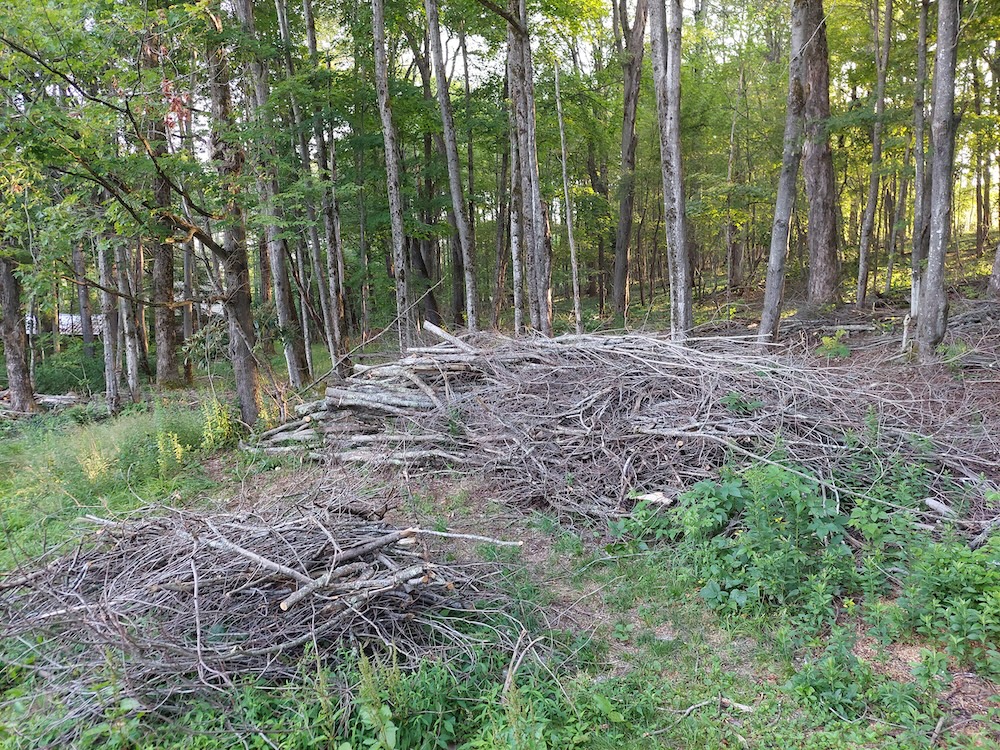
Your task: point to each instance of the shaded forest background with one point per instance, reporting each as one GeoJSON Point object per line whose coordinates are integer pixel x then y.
{"type": "Point", "coordinates": [186, 180]}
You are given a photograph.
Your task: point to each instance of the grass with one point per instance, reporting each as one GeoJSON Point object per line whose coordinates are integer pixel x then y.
{"type": "Point", "coordinates": [656, 632]}
{"type": "Point", "coordinates": [56, 468]}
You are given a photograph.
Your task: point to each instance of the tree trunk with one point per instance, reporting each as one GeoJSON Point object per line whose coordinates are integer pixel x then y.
{"type": "Point", "coordinates": [454, 167]}
{"type": "Point", "coordinates": [403, 314]}
{"type": "Point", "coordinates": [817, 162]}
{"type": "Point", "coordinates": [228, 155]}
{"type": "Point", "coordinates": [516, 233]}
{"type": "Point", "coordinates": [734, 249]}
{"type": "Point", "coordinates": [665, 47]}
{"type": "Point", "coordinates": [868, 220]}
{"type": "Point", "coordinates": [288, 322]}
{"type": "Point", "coordinates": [109, 333]}
{"type": "Point", "coordinates": [791, 154]}
{"type": "Point", "coordinates": [164, 327]}
{"type": "Point", "coordinates": [921, 192]}
{"type": "Point", "coordinates": [574, 270]}
{"type": "Point", "coordinates": [326, 157]}
{"type": "Point", "coordinates": [632, 66]}
{"type": "Point", "coordinates": [127, 310]}
{"type": "Point", "coordinates": [534, 229]}
{"type": "Point", "coordinates": [83, 295]}
{"type": "Point", "coordinates": [994, 282]}
{"type": "Point", "coordinates": [469, 139]}
{"type": "Point", "coordinates": [187, 314]}
{"type": "Point", "coordinates": [933, 317]}
{"type": "Point", "coordinates": [305, 161]}
{"type": "Point", "coordinates": [897, 219]}
{"type": "Point", "coordinates": [504, 200]}
{"type": "Point", "coordinates": [15, 340]}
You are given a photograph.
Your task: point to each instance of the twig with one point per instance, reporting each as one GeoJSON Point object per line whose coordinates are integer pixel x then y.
{"type": "Point", "coordinates": [722, 701]}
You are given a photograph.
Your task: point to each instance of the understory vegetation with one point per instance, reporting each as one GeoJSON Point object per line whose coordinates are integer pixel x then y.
{"type": "Point", "coordinates": [766, 607]}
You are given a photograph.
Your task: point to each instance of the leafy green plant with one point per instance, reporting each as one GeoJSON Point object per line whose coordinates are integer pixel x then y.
{"type": "Point", "coordinates": [836, 680]}
{"type": "Point", "coordinates": [834, 346]}
{"type": "Point", "coordinates": [768, 537]}
{"type": "Point", "coordinates": [739, 405]}
{"type": "Point", "coordinates": [221, 427]}
{"type": "Point", "coordinates": [952, 596]}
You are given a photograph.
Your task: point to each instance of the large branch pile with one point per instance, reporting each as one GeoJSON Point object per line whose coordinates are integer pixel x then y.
{"type": "Point", "coordinates": [581, 424]}
{"type": "Point", "coordinates": [176, 601]}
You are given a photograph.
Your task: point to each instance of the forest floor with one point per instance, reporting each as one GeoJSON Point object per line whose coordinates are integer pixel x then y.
{"type": "Point", "coordinates": [612, 635]}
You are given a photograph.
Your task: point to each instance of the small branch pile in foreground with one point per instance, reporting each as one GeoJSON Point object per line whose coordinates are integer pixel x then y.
{"type": "Point", "coordinates": [175, 601]}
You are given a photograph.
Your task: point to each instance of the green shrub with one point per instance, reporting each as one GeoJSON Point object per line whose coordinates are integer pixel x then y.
{"type": "Point", "coordinates": [766, 537]}
{"type": "Point", "coordinates": [952, 595]}
{"type": "Point", "coordinates": [70, 370]}
{"type": "Point", "coordinates": [836, 681]}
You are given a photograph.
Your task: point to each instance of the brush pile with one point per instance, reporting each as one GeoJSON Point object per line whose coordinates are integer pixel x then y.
{"type": "Point", "coordinates": [172, 602]}
{"type": "Point", "coordinates": [582, 425]}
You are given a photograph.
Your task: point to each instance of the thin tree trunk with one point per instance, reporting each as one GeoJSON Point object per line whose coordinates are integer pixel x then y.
{"type": "Point", "coordinates": [632, 66]}
{"type": "Point", "coordinates": [665, 37]}
{"type": "Point", "coordinates": [187, 314]}
{"type": "Point", "coordinates": [127, 313]}
{"type": "Point", "coordinates": [164, 327]}
{"type": "Point", "coordinates": [138, 275]}
{"type": "Point", "coordinates": [933, 317]}
{"type": "Point", "coordinates": [785, 201]}
{"type": "Point", "coordinates": [574, 269]}
{"type": "Point", "coordinates": [516, 234]}
{"type": "Point", "coordinates": [305, 161]}
{"type": "Point", "coordinates": [817, 162]}
{"type": "Point", "coordinates": [326, 157]}
{"type": "Point", "coordinates": [921, 206]}
{"type": "Point", "coordinates": [868, 220]}
{"type": "Point", "coordinates": [897, 219]}
{"type": "Point", "coordinates": [228, 156]}
{"type": "Point", "coordinates": [469, 139]}
{"type": "Point", "coordinates": [15, 339]}
{"type": "Point", "coordinates": [288, 322]}
{"type": "Point", "coordinates": [502, 231]}
{"type": "Point", "coordinates": [534, 226]}
{"type": "Point", "coordinates": [109, 332]}
{"type": "Point", "coordinates": [454, 167]}
{"type": "Point", "coordinates": [734, 250]}
{"type": "Point", "coordinates": [403, 314]}
{"type": "Point", "coordinates": [83, 295]}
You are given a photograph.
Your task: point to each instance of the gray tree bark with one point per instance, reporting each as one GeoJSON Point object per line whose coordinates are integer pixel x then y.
{"type": "Point", "coordinates": [791, 154]}
{"type": "Point", "coordinates": [15, 340]}
{"type": "Point", "coordinates": [933, 318]}
{"type": "Point", "coordinates": [83, 296]}
{"type": "Point", "coordinates": [665, 48]}
{"type": "Point", "coordinates": [574, 270]}
{"type": "Point", "coordinates": [109, 334]}
{"type": "Point", "coordinates": [291, 331]}
{"type": "Point", "coordinates": [921, 205]}
{"type": "Point", "coordinates": [868, 220]}
{"type": "Point", "coordinates": [326, 156]}
{"type": "Point", "coordinates": [817, 162]}
{"type": "Point", "coordinates": [305, 161]}
{"type": "Point", "coordinates": [403, 314]}
{"type": "Point", "coordinates": [632, 67]}
{"type": "Point", "coordinates": [164, 326]}
{"type": "Point", "coordinates": [454, 167]}
{"type": "Point", "coordinates": [127, 312]}
{"type": "Point", "coordinates": [229, 158]}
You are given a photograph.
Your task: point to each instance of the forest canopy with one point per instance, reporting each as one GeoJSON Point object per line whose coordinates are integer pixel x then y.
{"type": "Point", "coordinates": [239, 176]}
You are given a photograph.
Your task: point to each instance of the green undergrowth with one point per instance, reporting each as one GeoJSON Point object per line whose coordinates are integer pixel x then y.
{"type": "Point", "coordinates": [56, 468]}
{"type": "Point", "coordinates": [769, 539]}
{"type": "Point", "coordinates": [734, 617]}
